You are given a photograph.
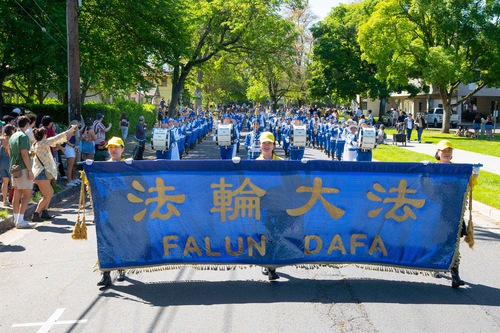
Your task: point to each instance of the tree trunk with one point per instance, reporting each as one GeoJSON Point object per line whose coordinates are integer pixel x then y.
{"type": "Point", "coordinates": [446, 98]}
{"type": "Point", "coordinates": [178, 81]}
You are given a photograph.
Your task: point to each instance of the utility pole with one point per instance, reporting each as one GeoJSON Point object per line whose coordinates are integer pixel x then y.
{"type": "Point", "coordinates": [74, 108]}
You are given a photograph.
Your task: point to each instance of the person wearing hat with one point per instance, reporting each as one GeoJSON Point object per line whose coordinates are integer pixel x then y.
{"type": "Point", "coordinates": [226, 152]}
{"type": "Point", "coordinates": [296, 152]}
{"type": "Point", "coordinates": [140, 137]}
{"type": "Point", "coordinates": [285, 135]}
{"type": "Point", "coordinates": [115, 147]}
{"type": "Point", "coordinates": [163, 154]}
{"type": "Point", "coordinates": [267, 153]}
{"type": "Point", "coordinates": [351, 146]}
{"type": "Point", "coordinates": [252, 144]}
{"type": "Point", "coordinates": [100, 131]}
{"type": "Point", "coordinates": [362, 154]}
{"type": "Point", "coordinates": [444, 154]}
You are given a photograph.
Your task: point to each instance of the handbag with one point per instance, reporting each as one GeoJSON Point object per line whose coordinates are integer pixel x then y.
{"type": "Point", "coordinates": [47, 174]}
{"type": "Point", "coordinates": [16, 171]}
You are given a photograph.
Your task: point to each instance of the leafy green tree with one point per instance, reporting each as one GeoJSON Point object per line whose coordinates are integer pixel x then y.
{"type": "Point", "coordinates": [444, 43]}
{"type": "Point", "coordinates": [218, 26]}
{"type": "Point", "coordinates": [338, 70]}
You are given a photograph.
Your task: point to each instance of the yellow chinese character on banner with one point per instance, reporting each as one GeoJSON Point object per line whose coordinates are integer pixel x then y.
{"type": "Point", "coordinates": [316, 192]}
{"type": "Point", "coordinates": [161, 200]}
{"type": "Point", "coordinates": [246, 200]}
{"type": "Point", "coordinates": [399, 201]}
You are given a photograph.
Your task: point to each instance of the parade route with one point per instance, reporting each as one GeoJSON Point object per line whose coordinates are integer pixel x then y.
{"type": "Point", "coordinates": [49, 285]}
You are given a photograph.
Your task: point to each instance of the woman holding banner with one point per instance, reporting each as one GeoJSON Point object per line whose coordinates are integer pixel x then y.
{"type": "Point", "coordinates": [444, 154]}
{"type": "Point", "coordinates": [115, 146]}
{"type": "Point", "coordinates": [267, 153]}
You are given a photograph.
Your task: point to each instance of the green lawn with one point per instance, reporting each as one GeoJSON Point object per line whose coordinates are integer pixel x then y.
{"type": "Point", "coordinates": [488, 183]}
{"type": "Point", "coordinates": [481, 146]}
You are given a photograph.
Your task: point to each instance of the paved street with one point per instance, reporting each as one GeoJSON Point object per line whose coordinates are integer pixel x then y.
{"type": "Point", "coordinates": [48, 283]}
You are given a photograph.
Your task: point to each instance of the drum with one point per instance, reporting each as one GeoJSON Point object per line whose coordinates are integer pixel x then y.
{"type": "Point", "coordinates": [161, 139]}
{"type": "Point", "coordinates": [225, 134]}
{"type": "Point", "coordinates": [367, 138]}
{"type": "Point", "coordinates": [299, 136]}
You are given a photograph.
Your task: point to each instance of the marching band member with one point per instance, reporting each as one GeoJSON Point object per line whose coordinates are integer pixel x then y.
{"type": "Point", "coordinates": [162, 154]}
{"type": "Point", "coordinates": [285, 135]}
{"type": "Point", "coordinates": [252, 144]}
{"type": "Point", "coordinates": [351, 146]}
{"type": "Point", "coordinates": [363, 154]}
{"type": "Point", "coordinates": [226, 152]}
{"type": "Point", "coordinates": [296, 152]}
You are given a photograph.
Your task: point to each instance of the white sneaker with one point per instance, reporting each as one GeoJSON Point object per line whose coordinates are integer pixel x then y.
{"type": "Point", "coordinates": [24, 225]}
{"type": "Point", "coordinates": [69, 184]}
{"type": "Point", "coordinates": [78, 181]}
{"type": "Point", "coordinates": [64, 177]}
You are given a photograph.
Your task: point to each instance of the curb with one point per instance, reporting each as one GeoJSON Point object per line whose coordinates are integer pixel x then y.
{"type": "Point", "coordinates": [66, 192]}
{"type": "Point", "coordinates": [486, 211]}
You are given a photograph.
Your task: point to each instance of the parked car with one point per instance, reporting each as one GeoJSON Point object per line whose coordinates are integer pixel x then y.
{"type": "Point", "coordinates": [435, 118]}
{"type": "Point", "coordinates": [386, 118]}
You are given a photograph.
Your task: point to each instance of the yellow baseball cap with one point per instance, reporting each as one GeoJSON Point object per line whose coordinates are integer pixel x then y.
{"type": "Point", "coordinates": [267, 137]}
{"type": "Point", "coordinates": [115, 141]}
{"type": "Point", "coordinates": [443, 144]}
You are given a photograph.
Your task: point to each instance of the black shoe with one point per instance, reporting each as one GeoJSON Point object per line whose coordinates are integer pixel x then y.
{"type": "Point", "coordinates": [438, 275]}
{"type": "Point", "coordinates": [45, 214]}
{"type": "Point", "coordinates": [456, 281]}
{"type": "Point", "coordinates": [121, 275]}
{"type": "Point", "coordinates": [106, 279]}
{"type": "Point", "coordinates": [264, 271]}
{"type": "Point", "coordinates": [272, 274]}
{"type": "Point", "coordinates": [36, 217]}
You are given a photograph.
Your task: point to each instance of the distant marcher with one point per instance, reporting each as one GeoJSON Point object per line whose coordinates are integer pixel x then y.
{"type": "Point", "coordinates": [70, 151]}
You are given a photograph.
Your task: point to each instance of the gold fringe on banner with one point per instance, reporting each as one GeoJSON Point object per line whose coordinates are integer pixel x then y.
{"type": "Point", "coordinates": [80, 230]}
{"type": "Point", "coordinates": [469, 239]}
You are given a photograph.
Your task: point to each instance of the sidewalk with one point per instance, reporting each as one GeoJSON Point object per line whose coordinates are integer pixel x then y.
{"type": "Point", "coordinates": [490, 164]}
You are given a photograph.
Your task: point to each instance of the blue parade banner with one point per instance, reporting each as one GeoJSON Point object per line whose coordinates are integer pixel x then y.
{"type": "Point", "coordinates": [276, 213]}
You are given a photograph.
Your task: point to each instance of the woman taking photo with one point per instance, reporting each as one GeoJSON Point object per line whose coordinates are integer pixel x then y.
{"type": "Point", "coordinates": [45, 169]}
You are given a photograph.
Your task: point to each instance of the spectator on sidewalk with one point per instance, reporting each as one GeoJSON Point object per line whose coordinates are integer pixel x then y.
{"type": "Point", "coordinates": [8, 131]}
{"type": "Point", "coordinates": [476, 125]}
{"type": "Point", "coordinates": [72, 146]}
{"type": "Point", "coordinates": [45, 169]}
{"type": "Point", "coordinates": [140, 136]}
{"type": "Point", "coordinates": [124, 124]}
{"type": "Point", "coordinates": [88, 139]}
{"type": "Point", "coordinates": [19, 145]}
{"type": "Point", "coordinates": [420, 124]}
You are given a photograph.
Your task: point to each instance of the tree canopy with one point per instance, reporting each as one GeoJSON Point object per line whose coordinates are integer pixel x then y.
{"type": "Point", "coordinates": [442, 42]}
